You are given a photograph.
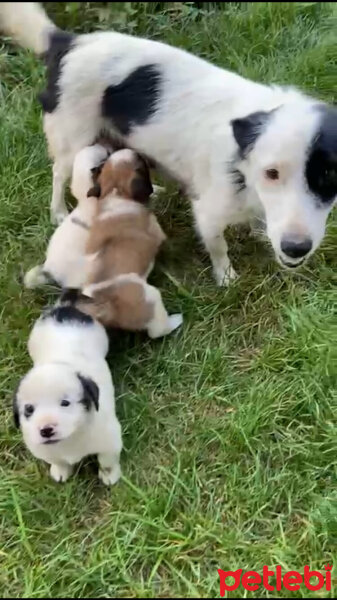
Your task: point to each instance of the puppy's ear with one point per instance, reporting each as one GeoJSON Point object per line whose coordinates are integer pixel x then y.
{"type": "Point", "coordinates": [16, 416]}
{"type": "Point", "coordinates": [141, 186]}
{"type": "Point", "coordinates": [95, 191]}
{"type": "Point", "coordinates": [247, 130]}
{"type": "Point", "coordinates": [90, 392]}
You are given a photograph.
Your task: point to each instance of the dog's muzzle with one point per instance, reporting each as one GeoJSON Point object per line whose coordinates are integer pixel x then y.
{"type": "Point", "coordinates": [294, 249]}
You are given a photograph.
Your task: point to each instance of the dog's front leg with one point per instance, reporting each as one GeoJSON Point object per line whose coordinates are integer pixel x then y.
{"type": "Point", "coordinates": [109, 468]}
{"type": "Point", "coordinates": [58, 209]}
{"type": "Point", "coordinates": [211, 222]}
{"type": "Point", "coordinates": [60, 472]}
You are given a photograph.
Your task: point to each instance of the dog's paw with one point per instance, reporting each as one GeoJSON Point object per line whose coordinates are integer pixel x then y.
{"type": "Point", "coordinates": [60, 473]}
{"type": "Point", "coordinates": [58, 217]}
{"type": "Point", "coordinates": [225, 276]}
{"type": "Point", "coordinates": [175, 321]}
{"type": "Point", "coordinates": [110, 476]}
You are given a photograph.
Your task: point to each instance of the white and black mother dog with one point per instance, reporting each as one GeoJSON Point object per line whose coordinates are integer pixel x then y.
{"type": "Point", "coordinates": [241, 149]}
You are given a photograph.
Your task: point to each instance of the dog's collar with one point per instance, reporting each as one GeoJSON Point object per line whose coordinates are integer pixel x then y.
{"type": "Point", "coordinates": [79, 222]}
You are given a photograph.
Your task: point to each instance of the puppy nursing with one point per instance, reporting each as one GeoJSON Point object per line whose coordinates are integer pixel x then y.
{"type": "Point", "coordinates": [123, 242]}
{"type": "Point", "coordinates": [65, 260]}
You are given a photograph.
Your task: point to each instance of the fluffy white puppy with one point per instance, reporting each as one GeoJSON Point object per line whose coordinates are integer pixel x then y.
{"type": "Point", "coordinates": [65, 258]}
{"type": "Point", "coordinates": [65, 403]}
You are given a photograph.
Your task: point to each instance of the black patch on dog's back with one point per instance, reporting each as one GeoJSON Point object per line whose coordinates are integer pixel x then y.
{"type": "Point", "coordinates": [134, 100]}
{"type": "Point", "coordinates": [248, 129]}
{"type": "Point", "coordinates": [60, 42]}
{"type": "Point", "coordinates": [66, 314]}
{"type": "Point", "coordinates": [321, 166]}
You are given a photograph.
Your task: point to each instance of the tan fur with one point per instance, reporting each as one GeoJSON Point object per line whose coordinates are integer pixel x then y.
{"type": "Point", "coordinates": [121, 305]}
{"type": "Point", "coordinates": [122, 244]}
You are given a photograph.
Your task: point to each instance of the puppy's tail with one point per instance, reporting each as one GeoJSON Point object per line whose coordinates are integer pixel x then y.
{"type": "Point", "coordinates": [27, 23]}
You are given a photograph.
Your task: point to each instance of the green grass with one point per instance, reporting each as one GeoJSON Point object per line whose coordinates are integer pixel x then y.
{"type": "Point", "coordinates": [230, 426]}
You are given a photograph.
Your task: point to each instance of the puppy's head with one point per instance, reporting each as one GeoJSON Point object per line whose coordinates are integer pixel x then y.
{"type": "Point", "coordinates": [52, 402]}
{"type": "Point", "coordinates": [125, 174]}
{"type": "Point", "coordinates": [288, 158]}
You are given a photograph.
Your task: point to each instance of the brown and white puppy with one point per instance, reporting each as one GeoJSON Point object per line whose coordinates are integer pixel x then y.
{"type": "Point", "coordinates": [124, 240]}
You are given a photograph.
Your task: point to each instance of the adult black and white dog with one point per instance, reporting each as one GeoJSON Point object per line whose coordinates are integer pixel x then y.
{"type": "Point", "coordinates": [241, 148]}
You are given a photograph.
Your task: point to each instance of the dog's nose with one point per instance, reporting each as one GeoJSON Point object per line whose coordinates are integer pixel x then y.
{"type": "Point", "coordinates": [47, 432]}
{"type": "Point", "coordinates": [296, 247]}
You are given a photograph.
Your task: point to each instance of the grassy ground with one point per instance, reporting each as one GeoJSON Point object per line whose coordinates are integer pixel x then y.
{"type": "Point", "coordinates": [230, 425]}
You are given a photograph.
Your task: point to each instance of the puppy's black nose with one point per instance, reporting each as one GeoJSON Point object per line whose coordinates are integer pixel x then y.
{"type": "Point", "coordinates": [296, 247]}
{"type": "Point", "coordinates": [47, 432]}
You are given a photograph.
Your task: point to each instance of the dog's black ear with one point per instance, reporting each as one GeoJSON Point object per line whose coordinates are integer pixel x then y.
{"type": "Point", "coordinates": [16, 416]}
{"type": "Point", "coordinates": [95, 191]}
{"type": "Point", "coordinates": [95, 171]}
{"type": "Point", "coordinates": [141, 189]}
{"type": "Point", "coordinates": [247, 130]}
{"type": "Point", "coordinates": [90, 392]}
{"type": "Point", "coordinates": [141, 186]}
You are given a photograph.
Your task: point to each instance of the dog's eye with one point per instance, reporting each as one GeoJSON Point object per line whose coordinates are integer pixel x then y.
{"type": "Point", "coordinates": [65, 403]}
{"type": "Point", "coordinates": [331, 173]}
{"type": "Point", "coordinates": [28, 410]}
{"type": "Point", "coordinates": [272, 174]}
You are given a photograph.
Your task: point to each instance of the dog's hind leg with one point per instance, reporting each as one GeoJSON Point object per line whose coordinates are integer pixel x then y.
{"type": "Point", "coordinates": [161, 322]}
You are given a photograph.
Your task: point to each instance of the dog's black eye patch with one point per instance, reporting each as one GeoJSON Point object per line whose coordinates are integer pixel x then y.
{"type": "Point", "coordinates": [28, 410]}
{"type": "Point", "coordinates": [65, 402]}
{"type": "Point", "coordinates": [321, 166]}
{"type": "Point", "coordinates": [247, 130]}
{"type": "Point", "coordinates": [133, 101]}
{"type": "Point", "coordinates": [321, 174]}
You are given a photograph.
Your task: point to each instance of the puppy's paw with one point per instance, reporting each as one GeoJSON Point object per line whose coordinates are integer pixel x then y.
{"type": "Point", "coordinates": [60, 473]}
{"type": "Point", "coordinates": [35, 277]}
{"type": "Point", "coordinates": [225, 276]}
{"type": "Point", "coordinates": [110, 476]}
{"type": "Point", "coordinates": [175, 321]}
{"type": "Point", "coordinates": [58, 217]}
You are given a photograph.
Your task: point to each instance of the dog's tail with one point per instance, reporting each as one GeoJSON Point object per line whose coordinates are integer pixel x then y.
{"type": "Point", "coordinates": [27, 23]}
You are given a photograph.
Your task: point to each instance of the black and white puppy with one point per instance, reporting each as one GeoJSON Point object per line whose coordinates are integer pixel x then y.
{"type": "Point", "coordinates": [65, 404]}
{"type": "Point", "coordinates": [241, 148]}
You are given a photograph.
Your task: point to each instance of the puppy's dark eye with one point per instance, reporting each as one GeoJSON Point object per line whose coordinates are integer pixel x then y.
{"type": "Point", "coordinates": [65, 403]}
{"type": "Point", "coordinates": [331, 174]}
{"type": "Point", "coordinates": [28, 410]}
{"type": "Point", "coordinates": [272, 174]}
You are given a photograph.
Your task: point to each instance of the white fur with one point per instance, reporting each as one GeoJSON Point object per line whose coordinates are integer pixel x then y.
{"type": "Point", "coordinates": [190, 134]}
{"type": "Point", "coordinates": [28, 22]}
{"type": "Point", "coordinates": [65, 259]}
{"type": "Point", "coordinates": [115, 207]}
{"type": "Point", "coordinates": [61, 351]}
